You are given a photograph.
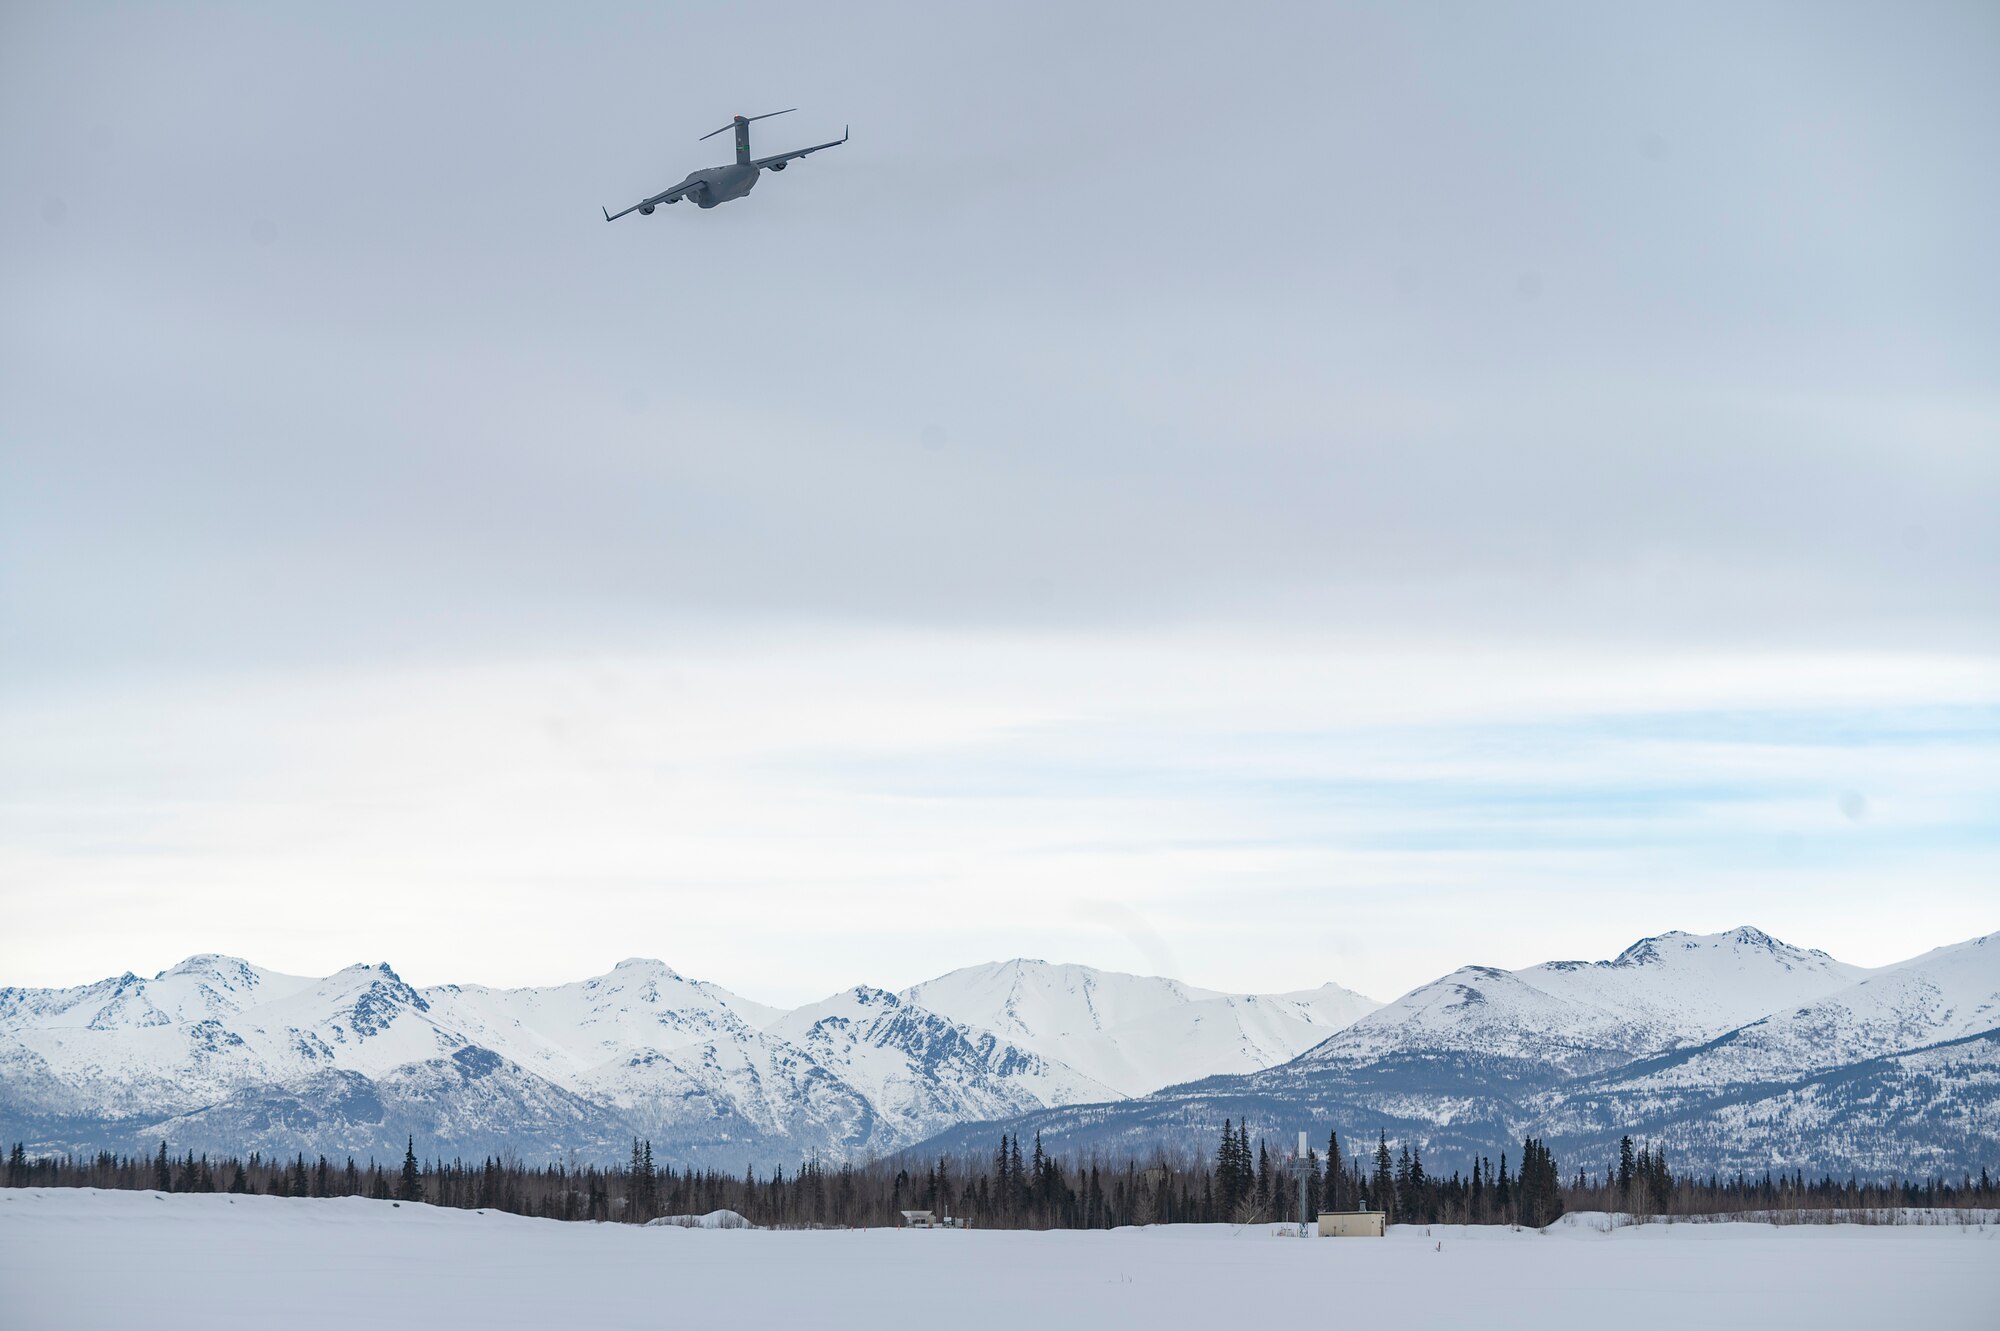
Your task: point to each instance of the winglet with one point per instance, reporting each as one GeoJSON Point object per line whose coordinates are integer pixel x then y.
{"type": "Point", "coordinates": [606, 211]}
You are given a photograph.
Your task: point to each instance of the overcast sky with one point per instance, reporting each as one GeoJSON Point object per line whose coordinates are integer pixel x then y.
{"type": "Point", "coordinates": [1264, 494]}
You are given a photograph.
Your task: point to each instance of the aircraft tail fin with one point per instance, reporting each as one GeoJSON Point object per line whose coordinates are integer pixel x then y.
{"type": "Point", "coordinates": [741, 124]}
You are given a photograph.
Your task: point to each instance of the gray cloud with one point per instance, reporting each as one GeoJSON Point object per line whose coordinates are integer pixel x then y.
{"type": "Point", "coordinates": [1539, 321]}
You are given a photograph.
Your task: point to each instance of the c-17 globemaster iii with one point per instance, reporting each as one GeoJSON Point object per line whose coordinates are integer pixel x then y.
{"type": "Point", "coordinates": [720, 184]}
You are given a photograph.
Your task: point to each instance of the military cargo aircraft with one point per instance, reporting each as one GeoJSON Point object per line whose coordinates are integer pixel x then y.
{"type": "Point", "coordinates": [720, 184]}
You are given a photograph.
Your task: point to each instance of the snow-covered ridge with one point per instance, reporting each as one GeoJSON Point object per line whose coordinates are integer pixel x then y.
{"type": "Point", "coordinates": [1137, 1033]}
{"type": "Point", "coordinates": [1945, 995]}
{"type": "Point", "coordinates": [218, 1045]}
{"type": "Point", "coordinates": [1661, 993]}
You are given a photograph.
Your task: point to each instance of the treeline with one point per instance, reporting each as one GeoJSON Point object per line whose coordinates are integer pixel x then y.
{"type": "Point", "coordinates": [1639, 1182]}
{"type": "Point", "coordinates": [1529, 1193]}
{"type": "Point", "coordinates": [1242, 1183]}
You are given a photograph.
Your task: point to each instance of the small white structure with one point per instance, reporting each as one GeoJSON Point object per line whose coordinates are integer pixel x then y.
{"type": "Point", "coordinates": [1352, 1224]}
{"type": "Point", "coordinates": [931, 1220]}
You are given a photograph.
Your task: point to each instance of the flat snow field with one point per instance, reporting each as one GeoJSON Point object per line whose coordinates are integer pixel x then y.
{"type": "Point", "coordinates": [79, 1259]}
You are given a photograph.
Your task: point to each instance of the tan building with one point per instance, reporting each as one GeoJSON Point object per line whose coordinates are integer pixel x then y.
{"type": "Point", "coordinates": [1352, 1224]}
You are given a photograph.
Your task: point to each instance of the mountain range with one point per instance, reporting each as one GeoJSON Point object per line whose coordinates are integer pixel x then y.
{"type": "Point", "coordinates": [1733, 1050]}
{"type": "Point", "coordinates": [219, 1054]}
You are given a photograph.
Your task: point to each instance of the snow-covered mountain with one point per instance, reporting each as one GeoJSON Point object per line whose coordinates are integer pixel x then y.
{"type": "Point", "coordinates": [218, 1053]}
{"type": "Point", "coordinates": [195, 1032]}
{"type": "Point", "coordinates": [1733, 1050]}
{"type": "Point", "coordinates": [1944, 995]}
{"type": "Point", "coordinates": [1900, 1069]}
{"type": "Point", "coordinates": [1582, 1016]}
{"type": "Point", "coordinates": [1137, 1033]}
{"type": "Point", "coordinates": [918, 1067]}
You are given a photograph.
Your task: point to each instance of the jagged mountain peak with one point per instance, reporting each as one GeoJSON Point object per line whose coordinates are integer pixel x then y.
{"type": "Point", "coordinates": [868, 996]}
{"type": "Point", "coordinates": [355, 1006]}
{"type": "Point", "coordinates": [201, 987]}
{"type": "Point", "coordinates": [380, 968]}
{"type": "Point", "coordinates": [860, 1003]}
{"type": "Point", "coordinates": [377, 983]}
{"type": "Point", "coordinates": [1662, 947]}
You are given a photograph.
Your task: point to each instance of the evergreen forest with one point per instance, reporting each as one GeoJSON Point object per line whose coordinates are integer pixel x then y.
{"type": "Point", "coordinates": [1243, 1182]}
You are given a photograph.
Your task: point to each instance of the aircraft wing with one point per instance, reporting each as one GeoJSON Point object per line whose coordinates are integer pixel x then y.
{"type": "Point", "coordinates": [782, 158]}
{"type": "Point", "coordinates": [667, 197]}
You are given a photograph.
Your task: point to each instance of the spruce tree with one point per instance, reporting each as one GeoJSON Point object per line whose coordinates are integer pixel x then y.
{"type": "Point", "coordinates": [1660, 1179]}
{"type": "Point", "coordinates": [413, 1183]}
{"type": "Point", "coordinates": [1225, 1165]}
{"type": "Point", "coordinates": [1019, 1201]}
{"type": "Point", "coordinates": [1382, 1192]}
{"type": "Point", "coordinates": [1404, 1202]}
{"type": "Point", "coordinates": [1539, 1186]}
{"type": "Point", "coordinates": [1039, 1169]}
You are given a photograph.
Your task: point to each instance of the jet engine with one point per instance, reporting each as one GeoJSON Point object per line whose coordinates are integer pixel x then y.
{"type": "Point", "coordinates": [645, 210]}
{"type": "Point", "coordinates": [779, 166]}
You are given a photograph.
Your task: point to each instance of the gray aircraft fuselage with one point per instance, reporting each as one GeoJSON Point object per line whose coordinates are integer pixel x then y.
{"type": "Point", "coordinates": [718, 184]}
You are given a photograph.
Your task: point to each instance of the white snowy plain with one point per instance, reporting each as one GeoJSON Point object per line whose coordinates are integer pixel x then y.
{"type": "Point", "coordinates": [80, 1259]}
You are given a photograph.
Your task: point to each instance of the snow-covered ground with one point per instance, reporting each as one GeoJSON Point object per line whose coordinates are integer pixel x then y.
{"type": "Point", "coordinates": [78, 1259]}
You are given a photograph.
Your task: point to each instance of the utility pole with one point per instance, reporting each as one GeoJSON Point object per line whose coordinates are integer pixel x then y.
{"type": "Point", "coordinates": [1304, 1152]}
